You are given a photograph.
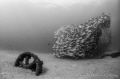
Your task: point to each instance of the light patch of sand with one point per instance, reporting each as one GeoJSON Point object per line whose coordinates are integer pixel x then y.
{"type": "Point", "coordinates": [56, 68]}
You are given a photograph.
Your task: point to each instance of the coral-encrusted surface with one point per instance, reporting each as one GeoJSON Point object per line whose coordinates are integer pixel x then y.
{"type": "Point", "coordinates": [83, 40]}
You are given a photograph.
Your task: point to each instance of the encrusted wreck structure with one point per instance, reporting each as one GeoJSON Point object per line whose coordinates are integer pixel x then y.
{"type": "Point", "coordinates": [36, 65]}
{"type": "Point", "coordinates": [85, 40]}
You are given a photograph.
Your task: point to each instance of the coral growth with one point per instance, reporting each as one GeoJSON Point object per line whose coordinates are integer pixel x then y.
{"type": "Point", "coordinates": [84, 40]}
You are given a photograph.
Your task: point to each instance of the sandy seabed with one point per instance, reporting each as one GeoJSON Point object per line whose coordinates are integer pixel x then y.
{"type": "Point", "coordinates": [60, 68]}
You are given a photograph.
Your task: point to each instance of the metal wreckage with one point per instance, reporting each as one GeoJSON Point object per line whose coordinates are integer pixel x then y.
{"type": "Point", "coordinates": [36, 65]}
{"type": "Point", "coordinates": [85, 40]}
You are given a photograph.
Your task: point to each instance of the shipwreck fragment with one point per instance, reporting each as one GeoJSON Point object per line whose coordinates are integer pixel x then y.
{"type": "Point", "coordinates": [36, 65]}
{"type": "Point", "coordinates": [85, 40]}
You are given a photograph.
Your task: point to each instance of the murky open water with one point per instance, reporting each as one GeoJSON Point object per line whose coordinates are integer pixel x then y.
{"type": "Point", "coordinates": [29, 24]}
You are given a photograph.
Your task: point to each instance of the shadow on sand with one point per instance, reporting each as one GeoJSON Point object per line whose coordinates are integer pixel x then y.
{"type": "Point", "coordinates": [44, 70]}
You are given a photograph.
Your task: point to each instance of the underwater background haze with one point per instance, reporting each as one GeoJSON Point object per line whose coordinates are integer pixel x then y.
{"type": "Point", "coordinates": [29, 25]}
